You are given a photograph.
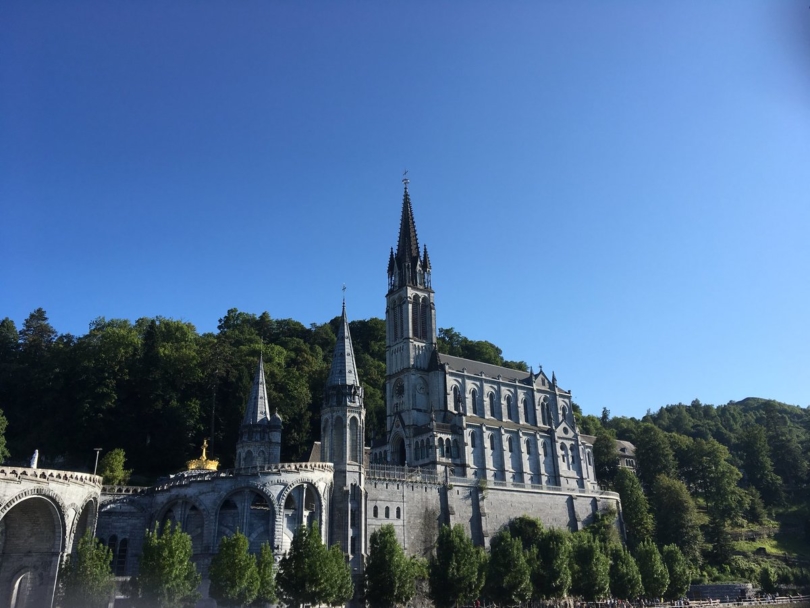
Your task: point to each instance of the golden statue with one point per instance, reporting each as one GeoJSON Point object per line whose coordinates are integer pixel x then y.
{"type": "Point", "coordinates": [203, 463]}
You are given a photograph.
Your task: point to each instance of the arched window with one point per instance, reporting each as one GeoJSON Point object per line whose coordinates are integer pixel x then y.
{"type": "Point", "coordinates": [399, 513]}
{"type": "Point", "coordinates": [456, 399]}
{"type": "Point", "coordinates": [474, 402]}
{"type": "Point", "coordinates": [354, 440]}
{"type": "Point", "coordinates": [564, 413]}
{"type": "Point", "coordinates": [526, 418]}
{"type": "Point", "coordinates": [397, 323]}
{"type": "Point", "coordinates": [415, 328]}
{"type": "Point", "coordinates": [509, 407]}
{"type": "Point", "coordinates": [424, 311]}
{"type": "Point", "coordinates": [590, 460]}
{"type": "Point", "coordinates": [528, 448]}
{"type": "Point", "coordinates": [121, 558]}
{"type": "Point", "coordinates": [492, 405]}
{"type": "Point", "coordinates": [573, 454]}
{"type": "Point", "coordinates": [440, 445]}
{"type": "Point", "coordinates": [543, 411]}
{"type": "Point", "coordinates": [492, 442]}
{"type": "Point", "coordinates": [387, 512]}
{"type": "Point", "coordinates": [472, 440]}
{"type": "Point", "coordinates": [448, 451]}
{"type": "Point", "coordinates": [563, 452]}
{"type": "Point", "coordinates": [545, 450]}
{"type": "Point", "coordinates": [455, 448]}
{"type": "Point", "coordinates": [509, 443]}
{"type": "Point", "coordinates": [376, 511]}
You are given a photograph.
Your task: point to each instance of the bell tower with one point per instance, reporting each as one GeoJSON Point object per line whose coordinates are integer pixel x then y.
{"type": "Point", "coordinates": [343, 427]}
{"type": "Point", "coordinates": [410, 335]}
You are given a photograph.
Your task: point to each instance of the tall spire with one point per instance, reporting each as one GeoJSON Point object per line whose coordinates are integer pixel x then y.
{"type": "Point", "coordinates": [408, 244]}
{"type": "Point", "coordinates": [407, 266]}
{"type": "Point", "coordinates": [344, 369]}
{"type": "Point", "coordinates": [257, 410]}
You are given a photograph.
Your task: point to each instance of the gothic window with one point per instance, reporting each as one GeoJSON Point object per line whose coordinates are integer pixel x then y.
{"type": "Point", "coordinates": [565, 413]}
{"type": "Point", "coordinates": [492, 405]}
{"type": "Point", "coordinates": [326, 442]}
{"type": "Point", "coordinates": [376, 511]}
{"type": "Point", "coordinates": [399, 513]}
{"type": "Point", "coordinates": [448, 452]}
{"type": "Point", "coordinates": [563, 452]}
{"type": "Point", "coordinates": [416, 328]}
{"type": "Point", "coordinates": [387, 512]}
{"type": "Point", "coordinates": [473, 402]}
{"type": "Point", "coordinates": [398, 319]}
{"type": "Point", "coordinates": [424, 312]}
{"type": "Point", "coordinates": [492, 442]}
{"type": "Point", "coordinates": [354, 432]}
{"type": "Point", "coordinates": [456, 399]}
{"type": "Point", "coordinates": [590, 460]}
{"type": "Point", "coordinates": [340, 441]}
{"type": "Point", "coordinates": [526, 411]}
{"type": "Point", "coordinates": [121, 558]}
{"type": "Point", "coordinates": [528, 448]}
{"type": "Point", "coordinates": [509, 443]}
{"type": "Point", "coordinates": [544, 448]}
{"type": "Point", "coordinates": [472, 440]}
{"type": "Point", "coordinates": [573, 454]}
{"type": "Point", "coordinates": [441, 448]}
{"type": "Point", "coordinates": [509, 407]}
{"type": "Point", "coordinates": [455, 448]}
{"type": "Point", "coordinates": [353, 518]}
{"type": "Point", "coordinates": [112, 543]}
{"type": "Point", "coordinates": [543, 412]}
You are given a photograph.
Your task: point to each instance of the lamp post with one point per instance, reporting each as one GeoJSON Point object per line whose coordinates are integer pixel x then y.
{"type": "Point", "coordinates": [98, 451]}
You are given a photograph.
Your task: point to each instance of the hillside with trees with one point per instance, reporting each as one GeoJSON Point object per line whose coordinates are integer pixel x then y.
{"type": "Point", "coordinates": [720, 483]}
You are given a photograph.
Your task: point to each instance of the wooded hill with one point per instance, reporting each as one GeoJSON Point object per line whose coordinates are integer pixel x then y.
{"type": "Point", "coordinates": [157, 388]}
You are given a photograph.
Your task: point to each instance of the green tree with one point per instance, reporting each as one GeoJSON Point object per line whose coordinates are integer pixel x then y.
{"type": "Point", "coordinates": [654, 575]}
{"type": "Point", "coordinates": [625, 579]}
{"type": "Point", "coordinates": [653, 455]}
{"type": "Point", "coordinates": [86, 579]}
{"type": "Point", "coordinates": [265, 567]}
{"type": "Point", "coordinates": [111, 468]}
{"type": "Point", "coordinates": [455, 572]}
{"type": "Point", "coordinates": [676, 519]}
{"type": "Point", "coordinates": [590, 568]}
{"type": "Point", "coordinates": [716, 480]}
{"type": "Point", "coordinates": [528, 529]}
{"type": "Point", "coordinates": [679, 572]}
{"type": "Point", "coordinates": [390, 576]}
{"type": "Point", "coordinates": [768, 579]}
{"type": "Point", "coordinates": [300, 571]}
{"type": "Point", "coordinates": [4, 453]}
{"type": "Point", "coordinates": [638, 522]}
{"type": "Point", "coordinates": [555, 558]}
{"type": "Point", "coordinates": [233, 573]}
{"type": "Point", "coordinates": [167, 577]}
{"type": "Point", "coordinates": [758, 465]}
{"type": "Point", "coordinates": [508, 573]}
{"type": "Point", "coordinates": [338, 587]}
{"type": "Point", "coordinates": [605, 457]}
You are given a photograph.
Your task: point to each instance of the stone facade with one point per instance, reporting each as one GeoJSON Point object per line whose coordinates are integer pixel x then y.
{"type": "Point", "coordinates": [43, 513]}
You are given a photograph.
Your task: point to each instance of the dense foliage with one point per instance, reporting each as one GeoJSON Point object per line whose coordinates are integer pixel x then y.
{"type": "Point", "coordinates": [86, 579]}
{"type": "Point", "coordinates": [167, 578]}
{"type": "Point", "coordinates": [390, 575]}
{"type": "Point", "coordinates": [233, 573]}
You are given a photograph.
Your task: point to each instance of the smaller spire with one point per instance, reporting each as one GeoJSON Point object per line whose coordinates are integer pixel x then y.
{"type": "Point", "coordinates": [391, 263]}
{"type": "Point", "coordinates": [426, 260]}
{"type": "Point", "coordinates": [344, 369]}
{"type": "Point", "coordinates": [257, 411]}
{"type": "Point", "coordinates": [553, 378]}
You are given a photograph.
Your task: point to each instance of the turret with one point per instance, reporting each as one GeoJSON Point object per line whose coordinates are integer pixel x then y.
{"type": "Point", "coordinates": [260, 435]}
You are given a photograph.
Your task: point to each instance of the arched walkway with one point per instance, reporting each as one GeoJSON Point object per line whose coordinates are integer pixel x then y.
{"type": "Point", "coordinates": [31, 540]}
{"type": "Point", "coordinates": [251, 513]}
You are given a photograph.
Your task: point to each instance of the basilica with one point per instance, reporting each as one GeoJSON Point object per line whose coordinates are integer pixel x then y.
{"type": "Point", "coordinates": [466, 443]}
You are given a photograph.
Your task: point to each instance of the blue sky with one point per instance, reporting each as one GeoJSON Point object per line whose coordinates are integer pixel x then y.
{"type": "Point", "coordinates": [617, 191]}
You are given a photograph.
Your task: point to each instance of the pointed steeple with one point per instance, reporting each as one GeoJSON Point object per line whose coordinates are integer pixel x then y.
{"type": "Point", "coordinates": [257, 410]}
{"type": "Point", "coordinates": [426, 260]}
{"type": "Point", "coordinates": [391, 263]}
{"type": "Point", "coordinates": [408, 244]}
{"type": "Point", "coordinates": [344, 370]}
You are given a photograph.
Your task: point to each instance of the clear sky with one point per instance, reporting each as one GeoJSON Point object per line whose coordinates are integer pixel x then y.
{"type": "Point", "coordinates": [615, 190]}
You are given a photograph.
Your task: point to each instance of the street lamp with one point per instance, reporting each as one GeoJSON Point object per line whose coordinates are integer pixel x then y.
{"type": "Point", "coordinates": [98, 451]}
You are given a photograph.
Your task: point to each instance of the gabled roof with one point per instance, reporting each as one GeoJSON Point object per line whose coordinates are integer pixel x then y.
{"type": "Point", "coordinates": [477, 367]}
{"type": "Point", "coordinates": [343, 371]}
{"type": "Point", "coordinates": [257, 410]}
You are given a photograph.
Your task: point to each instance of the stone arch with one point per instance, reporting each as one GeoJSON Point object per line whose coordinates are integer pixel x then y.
{"type": "Point", "coordinates": [248, 461]}
{"type": "Point", "coordinates": [190, 514]}
{"type": "Point", "coordinates": [85, 520]}
{"type": "Point", "coordinates": [302, 504]}
{"type": "Point", "coordinates": [251, 511]}
{"type": "Point", "coordinates": [32, 538]}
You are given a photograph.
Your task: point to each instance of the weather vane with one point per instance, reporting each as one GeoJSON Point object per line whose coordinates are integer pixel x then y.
{"type": "Point", "coordinates": [344, 293]}
{"type": "Point", "coordinates": [405, 179]}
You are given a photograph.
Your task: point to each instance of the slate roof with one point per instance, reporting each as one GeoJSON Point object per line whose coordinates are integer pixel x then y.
{"type": "Point", "coordinates": [476, 367]}
{"type": "Point", "coordinates": [344, 369]}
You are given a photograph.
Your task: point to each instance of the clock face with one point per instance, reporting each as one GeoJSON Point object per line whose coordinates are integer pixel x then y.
{"type": "Point", "coordinates": [399, 388]}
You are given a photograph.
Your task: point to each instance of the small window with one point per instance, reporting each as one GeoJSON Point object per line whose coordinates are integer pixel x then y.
{"type": "Point", "coordinates": [387, 512]}
{"type": "Point", "coordinates": [472, 440]}
{"type": "Point", "coordinates": [376, 511]}
{"type": "Point", "coordinates": [448, 452]}
{"type": "Point", "coordinates": [456, 399]}
{"type": "Point", "coordinates": [474, 402]}
{"type": "Point", "coordinates": [509, 407]}
{"type": "Point", "coordinates": [509, 443]}
{"type": "Point", "coordinates": [590, 460]}
{"type": "Point", "coordinates": [353, 545]}
{"type": "Point", "coordinates": [492, 442]}
{"type": "Point", "coordinates": [526, 412]}
{"type": "Point", "coordinates": [399, 513]}
{"type": "Point", "coordinates": [528, 448]}
{"type": "Point", "coordinates": [492, 405]}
